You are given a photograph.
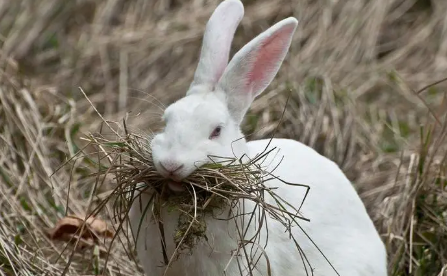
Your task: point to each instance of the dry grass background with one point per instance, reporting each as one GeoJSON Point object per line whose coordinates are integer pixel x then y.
{"type": "Point", "coordinates": [351, 75]}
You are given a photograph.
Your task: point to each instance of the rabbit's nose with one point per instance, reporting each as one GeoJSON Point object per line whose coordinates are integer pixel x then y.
{"type": "Point", "coordinates": [171, 167]}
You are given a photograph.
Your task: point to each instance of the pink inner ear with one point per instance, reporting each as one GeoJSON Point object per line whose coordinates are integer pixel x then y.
{"type": "Point", "coordinates": [267, 57]}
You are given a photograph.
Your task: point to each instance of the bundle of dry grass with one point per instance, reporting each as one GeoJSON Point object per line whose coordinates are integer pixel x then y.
{"type": "Point", "coordinates": [222, 183]}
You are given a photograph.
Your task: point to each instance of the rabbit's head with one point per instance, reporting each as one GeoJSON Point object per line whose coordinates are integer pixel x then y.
{"type": "Point", "coordinates": [206, 121]}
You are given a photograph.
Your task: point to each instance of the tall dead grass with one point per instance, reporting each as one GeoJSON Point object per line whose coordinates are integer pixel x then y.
{"type": "Point", "coordinates": [35, 137]}
{"type": "Point", "coordinates": [351, 75]}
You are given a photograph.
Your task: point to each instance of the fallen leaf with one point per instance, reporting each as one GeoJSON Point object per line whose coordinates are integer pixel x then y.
{"type": "Point", "coordinates": [100, 227]}
{"type": "Point", "coordinates": [94, 228]}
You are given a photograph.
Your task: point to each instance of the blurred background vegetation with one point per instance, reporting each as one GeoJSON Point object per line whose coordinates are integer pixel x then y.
{"type": "Point", "coordinates": [353, 77]}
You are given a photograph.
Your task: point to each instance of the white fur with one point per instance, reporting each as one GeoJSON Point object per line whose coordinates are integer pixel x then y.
{"type": "Point", "coordinates": [339, 224]}
{"type": "Point", "coordinates": [216, 45]}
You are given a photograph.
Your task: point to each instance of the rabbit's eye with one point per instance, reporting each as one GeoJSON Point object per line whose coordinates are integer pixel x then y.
{"type": "Point", "coordinates": [216, 132]}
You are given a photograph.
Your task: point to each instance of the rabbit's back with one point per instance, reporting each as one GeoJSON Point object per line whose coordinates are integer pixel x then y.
{"type": "Point", "coordinates": [339, 224]}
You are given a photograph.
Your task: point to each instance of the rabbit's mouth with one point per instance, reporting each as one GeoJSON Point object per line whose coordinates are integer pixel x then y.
{"type": "Point", "coordinates": [176, 186]}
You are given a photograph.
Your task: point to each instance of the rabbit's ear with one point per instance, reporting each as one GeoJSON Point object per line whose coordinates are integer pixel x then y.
{"type": "Point", "coordinates": [216, 45]}
{"type": "Point", "coordinates": [253, 68]}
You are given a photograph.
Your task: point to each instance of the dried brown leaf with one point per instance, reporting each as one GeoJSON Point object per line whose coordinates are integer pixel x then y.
{"type": "Point", "coordinates": [71, 225]}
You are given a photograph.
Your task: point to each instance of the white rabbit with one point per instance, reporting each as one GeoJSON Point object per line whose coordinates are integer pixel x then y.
{"type": "Point", "coordinates": [207, 122]}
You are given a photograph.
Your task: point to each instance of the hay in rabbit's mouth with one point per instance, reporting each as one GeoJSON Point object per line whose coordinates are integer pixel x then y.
{"type": "Point", "coordinates": [211, 187]}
